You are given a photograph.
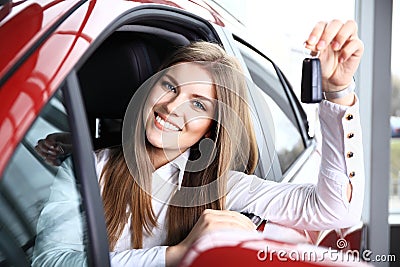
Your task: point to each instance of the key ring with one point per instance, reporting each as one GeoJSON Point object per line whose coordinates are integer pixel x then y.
{"type": "Point", "coordinates": [310, 53]}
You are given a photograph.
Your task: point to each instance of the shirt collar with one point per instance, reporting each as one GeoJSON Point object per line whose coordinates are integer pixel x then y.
{"type": "Point", "coordinates": [180, 164]}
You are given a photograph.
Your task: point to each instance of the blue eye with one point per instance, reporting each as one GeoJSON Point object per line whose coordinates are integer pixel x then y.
{"type": "Point", "coordinates": [169, 86]}
{"type": "Point", "coordinates": [199, 105]}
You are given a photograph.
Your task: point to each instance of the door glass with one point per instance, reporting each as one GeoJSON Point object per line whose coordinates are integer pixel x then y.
{"type": "Point", "coordinates": [288, 140]}
{"type": "Point", "coordinates": [41, 221]}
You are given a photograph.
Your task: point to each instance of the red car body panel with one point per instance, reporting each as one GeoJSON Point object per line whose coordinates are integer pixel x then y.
{"type": "Point", "coordinates": [24, 24]}
{"type": "Point", "coordinates": [44, 64]}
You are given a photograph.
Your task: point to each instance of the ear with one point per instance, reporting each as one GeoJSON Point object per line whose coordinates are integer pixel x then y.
{"type": "Point", "coordinates": [208, 134]}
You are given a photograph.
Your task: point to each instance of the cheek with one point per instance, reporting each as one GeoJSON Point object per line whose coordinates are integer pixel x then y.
{"type": "Point", "coordinates": [199, 127]}
{"type": "Point", "coordinates": [151, 101]}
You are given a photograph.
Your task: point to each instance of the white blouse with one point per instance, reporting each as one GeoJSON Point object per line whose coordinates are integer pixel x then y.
{"type": "Point", "coordinates": [302, 206]}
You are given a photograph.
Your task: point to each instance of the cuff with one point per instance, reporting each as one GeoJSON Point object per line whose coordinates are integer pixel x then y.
{"type": "Point", "coordinates": [342, 137]}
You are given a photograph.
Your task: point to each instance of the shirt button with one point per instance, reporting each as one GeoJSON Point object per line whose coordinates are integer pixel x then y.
{"type": "Point", "coordinates": [350, 135]}
{"type": "Point", "coordinates": [352, 174]}
{"type": "Point", "coordinates": [350, 154]}
{"type": "Point", "coordinates": [349, 117]}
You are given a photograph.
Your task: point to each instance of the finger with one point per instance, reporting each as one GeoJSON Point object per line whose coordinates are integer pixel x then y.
{"type": "Point", "coordinates": [50, 158]}
{"type": "Point", "coordinates": [330, 31]}
{"type": "Point", "coordinates": [53, 161]}
{"type": "Point", "coordinates": [208, 211]}
{"type": "Point", "coordinates": [49, 143]}
{"type": "Point", "coordinates": [347, 32]}
{"type": "Point", "coordinates": [230, 225]}
{"type": "Point", "coordinates": [44, 144]}
{"type": "Point", "coordinates": [244, 219]}
{"type": "Point", "coordinates": [59, 148]}
{"type": "Point", "coordinates": [46, 150]}
{"type": "Point", "coordinates": [41, 153]}
{"type": "Point", "coordinates": [42, 147]}
{"type": "Point", "coordinates": [229, 217]}
{"type": "Point", "coordinates": [315, 35]}
{"type": "Point", "coordinates": [217, 222]}
{"type": "Point", "coordinates": [354, 48]}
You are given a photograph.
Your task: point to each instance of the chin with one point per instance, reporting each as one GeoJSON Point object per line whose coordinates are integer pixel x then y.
{"type": "Point", "coordinates": [154, 141]}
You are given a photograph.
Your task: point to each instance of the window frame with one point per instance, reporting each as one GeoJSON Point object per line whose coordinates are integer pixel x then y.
{"type": "Point", "coordinates": [98, 249]}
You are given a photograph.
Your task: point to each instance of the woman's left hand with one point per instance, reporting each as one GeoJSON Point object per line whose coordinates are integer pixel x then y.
{"type": "Point", "coordinates": [55, 148]}
{"type": "Point", "coordinates": [340, 52]}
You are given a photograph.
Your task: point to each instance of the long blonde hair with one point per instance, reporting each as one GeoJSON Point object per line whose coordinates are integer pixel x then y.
{"type": "Point", "coordinates": [234, 148]}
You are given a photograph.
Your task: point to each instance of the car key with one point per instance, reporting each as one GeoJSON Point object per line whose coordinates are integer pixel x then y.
{"type": "Point", "coordinates": [311, 81]}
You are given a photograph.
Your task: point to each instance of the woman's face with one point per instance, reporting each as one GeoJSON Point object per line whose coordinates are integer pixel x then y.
{"type": "Point", "coordinates": [180, 108]}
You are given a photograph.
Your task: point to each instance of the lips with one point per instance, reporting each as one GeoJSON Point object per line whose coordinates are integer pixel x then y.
{"type": "Point", "coordinates": [161, 121]}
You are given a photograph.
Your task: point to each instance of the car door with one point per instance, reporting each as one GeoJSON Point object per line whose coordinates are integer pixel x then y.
{"type": "Point", "coordinates": [52, 214]}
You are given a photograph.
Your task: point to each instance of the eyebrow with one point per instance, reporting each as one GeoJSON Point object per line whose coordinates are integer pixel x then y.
{"type": "Point", "coordinates": [171, 78]}
{"type": "Point", "coordinates": [204, 98]}
{"type": "Point", "coordinates": [195, 95]}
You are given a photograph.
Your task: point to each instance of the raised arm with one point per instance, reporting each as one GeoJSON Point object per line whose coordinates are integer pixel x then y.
{"type": "Point", "coordinates": [336, 200]}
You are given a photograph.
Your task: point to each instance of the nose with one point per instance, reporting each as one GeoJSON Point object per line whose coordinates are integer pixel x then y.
{"type": "Point", "coordinates": [175, 105]}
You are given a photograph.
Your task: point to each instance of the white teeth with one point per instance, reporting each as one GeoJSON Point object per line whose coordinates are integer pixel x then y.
{"type": "Point", "coordinates": [166, 124]}
{"type": "Point", "coordinates": [160, 121]}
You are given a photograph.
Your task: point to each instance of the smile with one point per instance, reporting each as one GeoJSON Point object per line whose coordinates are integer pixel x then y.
{"type": "Point", "coordinates": [165, 124]}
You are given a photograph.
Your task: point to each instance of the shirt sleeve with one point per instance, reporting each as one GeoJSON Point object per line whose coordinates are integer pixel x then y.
{"type": "Point", "coordinates": [313, 206]}
{"type": "Point", "coordinates": [152, 257]}
{"type": "Point", "coordinates": [60, 227]}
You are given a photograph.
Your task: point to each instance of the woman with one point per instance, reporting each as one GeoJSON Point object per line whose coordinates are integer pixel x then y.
{"type": "Point", "coordinates": [157, 199]}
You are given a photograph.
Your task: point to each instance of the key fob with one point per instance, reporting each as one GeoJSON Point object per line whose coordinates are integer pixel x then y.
{"type": "Point", "coordinates": [311, 81]}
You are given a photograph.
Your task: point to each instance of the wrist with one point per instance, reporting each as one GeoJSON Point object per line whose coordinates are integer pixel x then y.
{"type": "Point", "coordinates": [342, 93]}
{"type": "Point", "coordinates": [174, 255]}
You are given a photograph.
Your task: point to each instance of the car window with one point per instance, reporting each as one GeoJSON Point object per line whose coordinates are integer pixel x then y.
{"type": "Point", "coordinates": [287, 137]}
{"type": "Point", "coordinates": [42, 219]}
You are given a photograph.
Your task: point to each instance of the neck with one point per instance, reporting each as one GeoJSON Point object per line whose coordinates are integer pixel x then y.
{"type": "Point", "coordinates": [160, 157]}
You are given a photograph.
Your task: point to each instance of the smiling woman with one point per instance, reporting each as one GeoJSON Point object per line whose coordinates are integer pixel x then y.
{"type": "Point", "coordinates": [180, 110]}
{"type": "Point", "coordinates": [191, 93]}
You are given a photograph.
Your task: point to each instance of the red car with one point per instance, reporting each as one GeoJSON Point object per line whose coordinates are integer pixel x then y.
{"type": "Point", "coordinates": [74, 65]}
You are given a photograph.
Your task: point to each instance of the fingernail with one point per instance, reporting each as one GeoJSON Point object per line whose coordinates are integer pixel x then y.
{"type": "Point", "coordinates": [335, 45]}
{"type": "Point", "coordinates": [321, 44]}
{"type": "Point", "coordinates": [312, 40]}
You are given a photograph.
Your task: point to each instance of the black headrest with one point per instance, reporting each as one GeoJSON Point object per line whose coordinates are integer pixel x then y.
{"type": "Point", "coordinates": [114, 72]}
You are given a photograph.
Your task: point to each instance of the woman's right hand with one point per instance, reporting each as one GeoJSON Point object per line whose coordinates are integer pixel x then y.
{"type": "Point", "coordinates": [54, 148]}
{"type": "Point", "coordinates": [210, 220]}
